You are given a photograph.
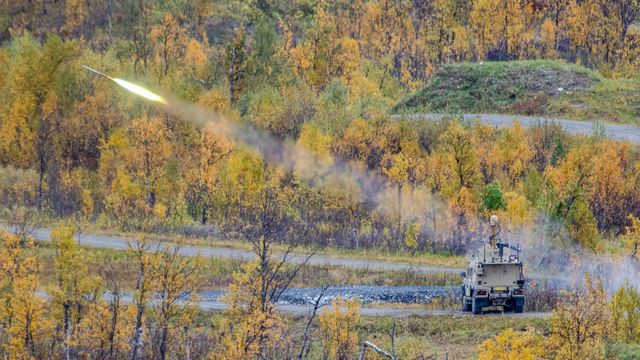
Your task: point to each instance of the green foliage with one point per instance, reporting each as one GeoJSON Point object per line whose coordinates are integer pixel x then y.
{"type": "Point", "coordinates": [622, 351]}
{"type": "Point", "coordinates": [610, 100]}
{"type": "Point", "coordinates": [494, 197]}
{"type": "Point", "coordinates": [625, 308]}
{"type": "Point", "coordinates": [332, 112]}
{"type": "Point", "coordinates": [265, 39]}
{"type": "Point", "coordinates": [582, 226]}
{"type": "Point", "coordinates": [533, 185]}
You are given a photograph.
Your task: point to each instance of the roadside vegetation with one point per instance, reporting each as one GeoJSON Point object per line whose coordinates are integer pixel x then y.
{"type": "Point", "coordinates": [217, 273]}
{"type": "Point", "coordinates": [586, 324]}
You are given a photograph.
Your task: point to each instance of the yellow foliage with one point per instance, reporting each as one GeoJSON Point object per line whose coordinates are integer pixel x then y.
{"type": "Point", "coordinates": [548, 32]}
{"type": "Point", "coordinates": [147, 156]}
{"type": "Point", "coordinates": [518, 211]}
{"type": "Point", "coordinates": [464, 202]}
{"type": "Point", "coordinates": [75, 13]}
{"type": "Point", "coordinates": [160, 210]}
{"type": "Point", "coordinates": [252, 326]}
{"type": "Point", "coordinates": [16, 137]}
{"type": "Point", "coordinates": [169, 40]}
{"type": "Point", "coordinates": [22, 309]}
{"type": "Point", "coordinates": [356, 140]}
{"type": "Point", "coordinates": [460, 47]}
{"type": "Point", "coordinates": [338, 329]}
{"type": "Point", "coordinates": [315, 157]}
{"type": "Point", "coordinates": [512, 345]}
{"type": "Point", "coordinates": [463, 161]}
{"type": "Point", "coordinates": [632, 237]}
{"type": "Point", "coordinates": [411, 236]}
{"type": "Point", "coordinates": [512, 153]}
{"type": "Point", "coordinates": [87, 203]}
{"type": "Point", "coordinates": [398, 172]}
{"type": "Point", "coordinates": [482, 22]}
{"type": "Point", "coordinates": [96, 327]}
{"type": "Point", "coordinates": [196, 57]}
{"type": "Point", "coordinates": [215, 100]}
{"type": "Point", "coordinates": [348, 58]}
{"type": "Point", "coordinates": [580, 323]}
{"type": "Point", "coordinates": [438, 173]}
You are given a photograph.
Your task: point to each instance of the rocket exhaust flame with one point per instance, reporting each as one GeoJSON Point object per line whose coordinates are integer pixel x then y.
{"type": "Point", "coordinates": [136, 89]}
{"type": "Point", "coordinates": [139, 90]}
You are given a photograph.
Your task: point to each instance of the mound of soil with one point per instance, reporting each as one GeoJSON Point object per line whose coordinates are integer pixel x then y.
{"type": "Point", "coordinates": [497, 86]}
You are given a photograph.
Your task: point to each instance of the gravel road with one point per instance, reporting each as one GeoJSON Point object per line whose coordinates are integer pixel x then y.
{"type": "Point", "coordinates": [618, 132]}
{"type": "Point", "coordinates": [121, 243]}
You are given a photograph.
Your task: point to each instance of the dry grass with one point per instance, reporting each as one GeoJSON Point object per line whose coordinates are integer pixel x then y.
{"type": "Point", "coordinates": [217, 272]}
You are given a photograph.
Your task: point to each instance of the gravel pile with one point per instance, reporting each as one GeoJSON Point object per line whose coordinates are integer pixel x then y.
{"type": "Point", "coordinates": [369, 294]}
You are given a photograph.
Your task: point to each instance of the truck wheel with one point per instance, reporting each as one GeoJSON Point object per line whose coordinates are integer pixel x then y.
{"type": "Point", "coordinates": [465, 305]}
{"type": "Point", "coordinates": [475, 309]}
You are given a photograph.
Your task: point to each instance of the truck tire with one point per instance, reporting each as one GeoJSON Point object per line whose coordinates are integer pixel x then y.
{"type": "Point", "coordinates": [465, 305]}
{"type": "Point", "coordinates": [475, 308]}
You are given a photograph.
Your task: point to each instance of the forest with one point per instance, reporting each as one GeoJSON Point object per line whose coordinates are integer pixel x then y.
{"type": "Point", "coordinates": [325, 78]}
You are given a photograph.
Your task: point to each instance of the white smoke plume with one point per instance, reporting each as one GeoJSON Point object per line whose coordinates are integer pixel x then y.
{"type": "Point", "coordinates": [543, 256]}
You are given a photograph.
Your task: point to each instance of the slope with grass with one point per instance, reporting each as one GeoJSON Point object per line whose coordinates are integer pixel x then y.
{"type": "Point", "coordinates": [541, 87]}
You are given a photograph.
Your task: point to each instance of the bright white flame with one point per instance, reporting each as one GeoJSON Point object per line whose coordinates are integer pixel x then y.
{"type": "Point", "coordinates": [139, 90]}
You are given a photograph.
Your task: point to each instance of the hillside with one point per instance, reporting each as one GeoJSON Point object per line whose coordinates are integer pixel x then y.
{"type": "Point", "coordinates": [227, 180]}
{"type": "Point", "coordinates": [546, 88]}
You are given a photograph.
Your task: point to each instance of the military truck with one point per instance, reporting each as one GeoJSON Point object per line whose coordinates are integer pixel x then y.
{"type": "Point", "coordinates": [494, 278]}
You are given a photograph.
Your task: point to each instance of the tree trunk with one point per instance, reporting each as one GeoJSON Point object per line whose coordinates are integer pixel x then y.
{"type": "Point", "coordinates": [136, 343]}
{"type": "Point", "coordinates": [114, 322]}
{"type": "Point", "coordinates": [109, 15]}
{"type": "Point", "coordinates": [163, 341]}
{"type": "Point", "coordinates": [136, 348]}
{"type": "Point", "coordinates": [41, 170]}
{"type": "Point", "coordinates": [187, 344]}
{"type": "Point", "coordinates": [204, 215]}
{"type": "Point", "coordinates": [67, 330]}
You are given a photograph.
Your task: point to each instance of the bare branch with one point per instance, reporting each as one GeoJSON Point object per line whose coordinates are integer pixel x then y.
{"type": "Point", "coordinates": [375, 348]}
{"type": "Point", "coordinates": [276, 294]}
{"type": "Point", "coordinates": [306, 345]}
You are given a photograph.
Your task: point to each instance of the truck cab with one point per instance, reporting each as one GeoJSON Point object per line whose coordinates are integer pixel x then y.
{"type": "Point", "coordinates": [494, 279]}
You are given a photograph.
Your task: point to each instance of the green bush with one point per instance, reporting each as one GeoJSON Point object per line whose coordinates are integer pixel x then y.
{"type": "Point", "coordinates": [494, 197]}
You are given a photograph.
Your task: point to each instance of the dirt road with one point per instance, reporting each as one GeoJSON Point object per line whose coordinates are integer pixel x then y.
{"type": "Point", "coordinates": [617, 132]}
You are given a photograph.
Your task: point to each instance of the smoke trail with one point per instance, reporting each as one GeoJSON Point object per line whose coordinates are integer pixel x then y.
{"type": "Point", "coordinates": [314, 171]}
{"type": "Point", "coordinates": [287, 154]}
{"type": "Point", "coordinates": [540, 250]}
